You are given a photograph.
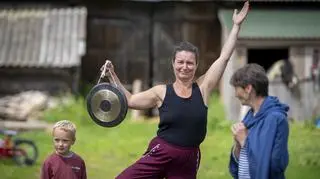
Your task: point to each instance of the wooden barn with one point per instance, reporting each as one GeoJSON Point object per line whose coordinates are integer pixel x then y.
{"type": "Point", "coordinates": [269, 35]}
{"type": "Point", "coordinates": [41, 47]}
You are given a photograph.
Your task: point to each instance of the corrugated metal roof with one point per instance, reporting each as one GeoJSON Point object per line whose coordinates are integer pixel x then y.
{"type": "Point", "coordinates": [276, 24]}
{"type": "Point", "coordinates": [42, 37]}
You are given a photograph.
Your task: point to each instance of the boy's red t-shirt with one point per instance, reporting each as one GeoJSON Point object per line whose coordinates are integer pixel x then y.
{"type": "Point", "coordinates": [59, 167]}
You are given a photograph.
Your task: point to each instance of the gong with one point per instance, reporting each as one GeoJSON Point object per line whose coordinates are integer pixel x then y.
{"type": "Point", "coordinates": [107, 105]}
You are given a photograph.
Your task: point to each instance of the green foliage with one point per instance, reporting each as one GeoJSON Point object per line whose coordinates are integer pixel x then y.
{"type": "Point", "coordinates": [107, 151]}
{"type": "Point", "coordinates": [74, 109]}
{"type": "Point", "coordinates": [304, 148]}
{"type": "Point", "coordinates": [216, 115]}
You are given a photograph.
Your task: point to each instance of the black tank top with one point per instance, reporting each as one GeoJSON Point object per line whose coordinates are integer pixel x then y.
{"type": "Point", "coordinates": [183, 121]}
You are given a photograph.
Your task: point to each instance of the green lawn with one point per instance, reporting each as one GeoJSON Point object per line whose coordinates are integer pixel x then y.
{"type": "Point", "coordinates": [107, 151]}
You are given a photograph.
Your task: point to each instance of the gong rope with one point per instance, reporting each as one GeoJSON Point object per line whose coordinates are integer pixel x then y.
{"type": "Point", "coordinates": [104, 71]}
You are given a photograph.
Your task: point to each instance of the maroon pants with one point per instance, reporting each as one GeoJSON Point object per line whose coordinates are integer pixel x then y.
{"type": "Point", "coordinates": [164, 160]}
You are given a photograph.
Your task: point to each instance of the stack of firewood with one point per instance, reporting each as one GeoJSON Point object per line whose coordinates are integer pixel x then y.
{"type": "Point", "coordinates": [22, 106]}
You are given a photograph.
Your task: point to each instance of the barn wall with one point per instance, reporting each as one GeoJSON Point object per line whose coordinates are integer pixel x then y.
{"type": "Point", "coordinates": [54, 81]}
{"type": "Point", "coordinates": [300, 109]}
{"type": "Point", "coordinates": [118, 32]}
{"type": "Point", "coordinates": [196, 23]}
{"type": "Point", "coordinates": [139, 38]}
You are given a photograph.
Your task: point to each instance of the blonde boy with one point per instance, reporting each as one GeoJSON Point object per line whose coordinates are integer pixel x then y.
{"type": "Point", "coordinates": [63, 163]}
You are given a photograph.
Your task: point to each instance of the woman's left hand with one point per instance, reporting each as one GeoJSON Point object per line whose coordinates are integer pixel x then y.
{"type": "Point", "coordinates": [238, 18]}
{"type": "Point", "coordinates": [240, 133]}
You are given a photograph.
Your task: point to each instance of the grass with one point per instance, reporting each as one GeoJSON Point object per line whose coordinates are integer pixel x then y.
{"type": "Point", "coordinates": [107, 151]}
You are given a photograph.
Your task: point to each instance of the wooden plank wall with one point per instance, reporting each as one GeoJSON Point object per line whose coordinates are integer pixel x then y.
{"type": "Point", "coordinates": [299, 110]}
{"type": "Point", "coordinates": [196, 23]}
{"type": "Point", "coordinates": [301, 57]}
{"type": "Point", "coordinates": [139, 38]}
{"type": "Point", "coordinates": [303, 109]}
{"type": "Point", "coordinates": [118, 32]}
{"type": "Point", "coordinates": [54, 81]}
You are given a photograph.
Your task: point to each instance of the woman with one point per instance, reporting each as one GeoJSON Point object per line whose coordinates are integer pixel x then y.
{"type": "Point", "coordinates": [175, 153]}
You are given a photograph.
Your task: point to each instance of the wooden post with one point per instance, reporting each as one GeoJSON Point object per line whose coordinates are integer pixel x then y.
{"type": "Point", "coordinates": [136, 88]}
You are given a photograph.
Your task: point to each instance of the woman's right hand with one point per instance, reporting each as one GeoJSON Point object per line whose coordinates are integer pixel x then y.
{"type": "Point", "coordinates": [107, 68]}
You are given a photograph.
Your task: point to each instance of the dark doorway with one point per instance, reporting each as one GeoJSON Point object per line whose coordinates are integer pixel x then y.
{"type": "Point", "coordinates": [266, 57]}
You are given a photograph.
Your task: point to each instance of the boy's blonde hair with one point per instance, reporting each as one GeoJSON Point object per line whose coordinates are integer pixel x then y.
{"type": "Point", "coordinates": [67, 126]}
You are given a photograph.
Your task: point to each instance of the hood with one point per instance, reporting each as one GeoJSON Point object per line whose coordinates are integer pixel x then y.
{"type": "Point", "coordinates": [270, 103]}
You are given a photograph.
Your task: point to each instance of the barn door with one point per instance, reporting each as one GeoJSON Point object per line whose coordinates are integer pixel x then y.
{"type": "Point", "coordinates": [139, 38]}
{"type": "Point", "coordinates": [118, 33]}
{"type": "Point", "coordinates": [176, 22]}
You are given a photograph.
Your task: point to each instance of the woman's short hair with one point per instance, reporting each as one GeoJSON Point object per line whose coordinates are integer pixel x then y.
{"type": "Point", "coordinates": [251, 74]}
{"type": "Point", "coordinates": [185, 46]}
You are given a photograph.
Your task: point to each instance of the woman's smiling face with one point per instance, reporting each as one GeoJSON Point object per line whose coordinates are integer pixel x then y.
{"type": "Point", "coordinates": [184, 65]}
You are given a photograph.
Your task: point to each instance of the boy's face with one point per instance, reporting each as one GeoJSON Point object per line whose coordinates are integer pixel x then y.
{"type": "Point", "coordinates": [62, 140]}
